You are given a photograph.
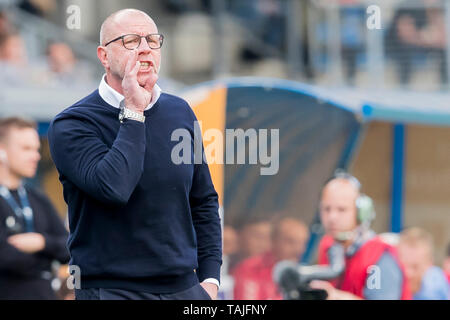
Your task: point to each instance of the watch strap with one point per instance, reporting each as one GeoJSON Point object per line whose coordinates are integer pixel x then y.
{"type": "Point", "coordinates": [126, 113]}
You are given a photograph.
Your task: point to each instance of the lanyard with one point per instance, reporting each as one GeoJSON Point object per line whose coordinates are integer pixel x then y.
{"type": "Point", "coordinates": [26, 212]}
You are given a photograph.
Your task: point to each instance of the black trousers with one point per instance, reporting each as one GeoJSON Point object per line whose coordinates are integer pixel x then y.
{"type": "Point", "coordinates": [194, 293]}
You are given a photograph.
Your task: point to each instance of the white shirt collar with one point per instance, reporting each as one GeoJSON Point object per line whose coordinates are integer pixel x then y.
{"type": "Point", "coordinates": [114, 98]}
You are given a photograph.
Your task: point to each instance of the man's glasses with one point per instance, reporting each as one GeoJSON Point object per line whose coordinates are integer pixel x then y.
{"type": "Point", "coordinates": [133, 41]}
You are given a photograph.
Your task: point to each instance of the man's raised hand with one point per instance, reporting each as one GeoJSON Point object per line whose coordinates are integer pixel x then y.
{"type": "Point", "coordinates": [136, 96]}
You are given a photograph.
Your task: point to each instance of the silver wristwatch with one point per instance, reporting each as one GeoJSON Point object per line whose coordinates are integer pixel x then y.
{"type": "Point", "coordinates": [126, 113]}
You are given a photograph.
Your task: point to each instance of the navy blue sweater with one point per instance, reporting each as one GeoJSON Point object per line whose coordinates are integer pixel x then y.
{"type": "Point", "coordinates": [137, 220]}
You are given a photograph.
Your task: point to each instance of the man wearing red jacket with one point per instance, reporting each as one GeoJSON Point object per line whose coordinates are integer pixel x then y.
{"type": "Point", "coordinates": [253, 277]}
{"type": "Point", "coordinates": [372, 269]}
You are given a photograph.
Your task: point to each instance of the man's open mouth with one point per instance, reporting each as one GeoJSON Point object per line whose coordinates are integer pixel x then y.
{"type": "Point", "coordinates": [146, 65]}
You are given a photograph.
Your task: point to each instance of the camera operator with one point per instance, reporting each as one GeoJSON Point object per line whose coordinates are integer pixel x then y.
{"type": "Point", "coordinates": [346, 214]}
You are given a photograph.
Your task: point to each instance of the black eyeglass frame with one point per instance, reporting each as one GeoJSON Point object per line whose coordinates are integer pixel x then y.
{"type": "Point", "coordinates": [161, 40]}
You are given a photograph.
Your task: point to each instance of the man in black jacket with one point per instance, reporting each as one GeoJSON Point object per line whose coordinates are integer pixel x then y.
{"type": "Point", "coordinates": [32, 235]}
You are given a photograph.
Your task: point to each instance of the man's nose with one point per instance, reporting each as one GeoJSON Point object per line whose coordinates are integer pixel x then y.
{"type": "Point", "coordinates": [332, 215]}
{"type": "Point", "coordinates": [144, 46]}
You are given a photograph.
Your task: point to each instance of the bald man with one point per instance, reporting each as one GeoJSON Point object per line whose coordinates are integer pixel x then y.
{"type": "Point", "coordinates": [142, 226]}
{"type": "Point", "coordinates": [372, 270]}
{"type": "Point", "coordinates": [253, 276]}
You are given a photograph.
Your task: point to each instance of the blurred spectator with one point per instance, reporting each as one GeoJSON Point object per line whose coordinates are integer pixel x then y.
{"type": "Point", "coordinates": [12, 49]}
{"type": "Point", "coordinates": [427, 282]}
{"type": "Point", "coordinates": [61, 69]}
{"type": "Point", "coordinates": [230, 241]}
{"type": "Point", "coordinates": [64, 67]}
{"type": "Point", "coordinates": [414, 34]}
{"type": "Point", "coordinates": [253, 276]}
{"type": "Point", "coordinates": [32, 235]}
{"type": "Point", "coordinates": [177, 6]}
{"type": "Point", "coordinates": [346, 215]}
{"type": "Point", "coordinates": [230, 248]}
{"type": "Point", "coordinates": [265, 19]}
{"type": "Point", "coordinates": [353, 26]}
{"type": "Point", "coordinates": [37, 7]}
{"type": "Point", "coordinates": [5, 25]}
{"type": "Point", "coordinates": [60, 58]}
{"type": "Point", "coordinates": [254, 239]}
{"type": "Point", "coordinates": [447, 263]}
{"type": "Point", "coordinates": [13, 59]}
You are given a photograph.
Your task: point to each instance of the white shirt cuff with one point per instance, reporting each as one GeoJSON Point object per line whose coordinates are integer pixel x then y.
{"type": "Point", "coordinates": [213, 281]}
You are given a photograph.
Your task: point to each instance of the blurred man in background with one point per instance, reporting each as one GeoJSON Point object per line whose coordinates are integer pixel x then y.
{"type": "Point", "coordinates": [230, 248]}
{"type": "Point", "coordinates": [61, 59]}
{"type": "Point", "coordinates": [64, 68]}
{"type": "Point", "coordinates": [12, 49]}
{"type": "Point", "coordinates": [415, 33]}
{"type": "Point", "coordinates": [447, 263]}
{"type": "Point", "coordinates": [14, 66]}
{"type": "Point", "coordinates": [5, 25]}
{"type": "Point", "coordinates": [427, 281]}
{"type": "Point", "coordinates": [31, 232]}
{"type": "Point", "coordinates": [253, 276]}
{"type": "Point", "coordinates": [353, 26]}
{"type": "Point", "coordinates": [39, 8]}
{"type": "Point", "coordinates": [264, 18]}
{"type": "Point", "coordinates": [253, 238]}
{"type": "Point", "coordinates": [13, 58]}
{"type": "Point", "coordinates": [346, 215]}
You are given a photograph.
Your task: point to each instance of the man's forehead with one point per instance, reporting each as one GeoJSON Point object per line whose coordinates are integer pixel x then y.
{"type": "Point", "coordinates": [292, 228]}
{"type": "Point", "coordinates": [14, 131]}
{"type": "Point", "coordinates": [22, 135]}
{"type": "Point", "coordinates": [132, 23]}
{"type": "Point", "coordinates": [339, 188]}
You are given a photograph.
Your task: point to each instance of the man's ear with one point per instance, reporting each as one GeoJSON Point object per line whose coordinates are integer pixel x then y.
{"type": "Point", "coordinates": [103, 56]}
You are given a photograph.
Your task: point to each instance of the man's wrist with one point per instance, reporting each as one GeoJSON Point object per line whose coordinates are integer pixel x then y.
{"type": "Point", "coordinates": [213, 281]}
{"type": "Point", "coordinates": [124, 104]}
{"type": "Point", "coordinates": [44, 243]}
{"type": "Point", "coordinates": [135, 109]}
{"type": "Point", "coordinates": [131, 114]}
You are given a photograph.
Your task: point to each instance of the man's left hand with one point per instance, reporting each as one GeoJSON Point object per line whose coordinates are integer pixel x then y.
{"type": "Point", "coordinates": [211, 288]}
{"type": "Point", "coordinates": [27, 242]}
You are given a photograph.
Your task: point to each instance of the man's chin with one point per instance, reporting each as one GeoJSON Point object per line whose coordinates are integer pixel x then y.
{"type": "Point", "coordinates": [145, 80]}
{"type": "Point", "coordinates": [27, 175]}
{"type": "Point", "coordinates": [30, 175]}
{"type": "Point", "coordinates": [333, 233]}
